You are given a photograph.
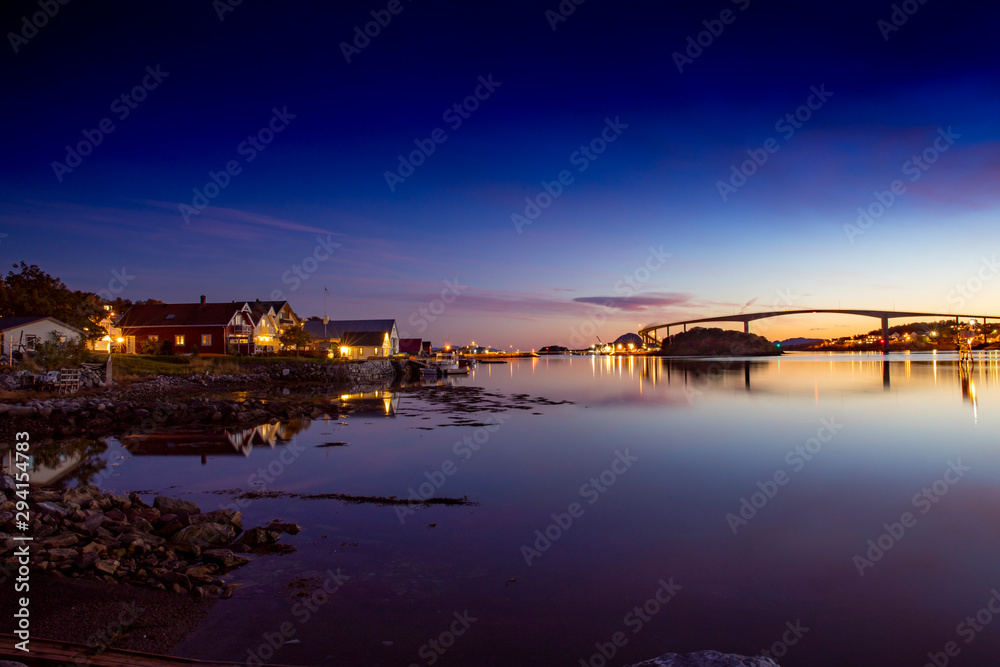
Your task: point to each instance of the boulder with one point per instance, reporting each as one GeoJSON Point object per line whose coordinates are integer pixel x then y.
{"type": "Point", "coordinates": [205, 534]}
{"type": "Point", "coordinates": [59, 541]}
{"type": "Point", "coordinates": [279, 527]}
{"type": "Point", "coordinates": [706, 659]}
{"type": "Point", "coordinates": [224, 557]}
{"type": "Point", "coordinates": [175, 506]}
{"type": "Point", "coordinates": [258, 537]}
{"type": "Point", "coordinates": [106, 566]}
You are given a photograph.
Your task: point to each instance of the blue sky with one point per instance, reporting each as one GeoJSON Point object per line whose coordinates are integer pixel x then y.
{"type": "Point", "coordinates": [317, 187]}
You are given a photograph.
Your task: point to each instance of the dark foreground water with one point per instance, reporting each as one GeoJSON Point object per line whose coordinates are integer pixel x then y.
{"type": "Point", "coordinates": [822, 508]}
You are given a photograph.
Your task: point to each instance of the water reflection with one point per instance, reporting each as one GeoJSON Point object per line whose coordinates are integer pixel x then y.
{"type": "Point", "coordinates": [57, 463]}
{"type": "Point", "coordinates": [371, 401]}
{"type": "Point", "coordinates": [205, 444]}
{"type": "Point", "coordinates": [706, 435]}
{"type": "Point", "coordinates": [968, 388]}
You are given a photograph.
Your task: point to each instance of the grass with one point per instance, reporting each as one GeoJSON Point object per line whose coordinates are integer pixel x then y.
{"type": "Point", "coordinates": [133, 366]}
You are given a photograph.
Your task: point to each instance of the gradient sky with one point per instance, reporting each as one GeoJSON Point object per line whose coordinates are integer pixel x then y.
{"type": "Point", "coordinates": [777, 241]}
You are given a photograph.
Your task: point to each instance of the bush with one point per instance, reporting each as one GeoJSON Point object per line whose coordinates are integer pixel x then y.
{"type": "Point", "coordinates": [155, 347]}
{"type": "Point", "coordinates": [53, 355]}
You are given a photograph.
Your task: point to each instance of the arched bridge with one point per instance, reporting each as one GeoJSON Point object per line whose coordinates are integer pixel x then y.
{"type": "Point", "coordinates": [649, 333]}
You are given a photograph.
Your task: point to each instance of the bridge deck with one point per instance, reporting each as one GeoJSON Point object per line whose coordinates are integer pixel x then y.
{"type": "Point", "coordinates": [649, 333]}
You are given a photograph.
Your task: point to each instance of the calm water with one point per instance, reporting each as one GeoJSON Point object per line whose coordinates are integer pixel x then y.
{"type": "Point", "coordinates": [743, 495]}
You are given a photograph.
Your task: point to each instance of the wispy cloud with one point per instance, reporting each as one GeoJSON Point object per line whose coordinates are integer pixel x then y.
{"type": "Point", "coordinates": [639, 303]}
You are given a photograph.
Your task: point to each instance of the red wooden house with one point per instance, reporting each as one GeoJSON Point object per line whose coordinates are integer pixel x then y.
{"type": "Point", "coordinates": [211, 327]}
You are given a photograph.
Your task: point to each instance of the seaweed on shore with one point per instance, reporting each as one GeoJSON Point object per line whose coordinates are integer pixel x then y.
{"type": "Point", "coordinates": [345, 498]}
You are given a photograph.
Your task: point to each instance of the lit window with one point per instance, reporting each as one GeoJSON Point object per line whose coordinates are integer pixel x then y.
{"type": "Point", "coordinates": [29, 342]}
{"type": "Point", "coordinates": [206, 339]}
{"type": "Point", "coordinates": [179, 340]}
{"type": "Point", "coordinates": [154, 338]}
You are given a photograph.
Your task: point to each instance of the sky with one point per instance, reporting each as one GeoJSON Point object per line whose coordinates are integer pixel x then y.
{"type": "Point", "coordinates": [517, 174]}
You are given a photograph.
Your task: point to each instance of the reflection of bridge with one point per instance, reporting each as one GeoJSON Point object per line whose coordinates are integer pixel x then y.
{"type": "Point", "coordinates": [649, 333]}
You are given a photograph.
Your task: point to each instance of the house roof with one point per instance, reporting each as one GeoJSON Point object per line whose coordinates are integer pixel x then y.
{"type": "Point", "coordinates": [183, 314]}
{"type": "Point", "coordinates": [363, 338]}
{"type": "Point", "coordinates": [277, 305]}
{"type": "Point", "coordinates": [409, 344]}
{"type": "Point", "coordinates": [335, 329]}
{"type": "Point", "coordinates": [11, 322]}
{"type": "Point", "coordinates": [258, 309]}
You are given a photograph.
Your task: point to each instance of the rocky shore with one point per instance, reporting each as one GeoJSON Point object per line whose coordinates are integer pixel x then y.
{"type": "Point", "coordinates": [706, 659]}
{"type": "Point", "coordinates": [265, 394]}
{"type": "Point", "coordinates": [83, 532]}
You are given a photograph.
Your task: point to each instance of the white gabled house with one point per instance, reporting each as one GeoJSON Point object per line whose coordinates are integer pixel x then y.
{"type": "Point", "coordinates": [23, 334]}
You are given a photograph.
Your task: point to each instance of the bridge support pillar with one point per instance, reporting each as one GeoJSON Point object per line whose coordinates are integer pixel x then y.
{"type": "Point", "coordinates": [746, 327]}
{"type": "Point", "coordinates": [885, 335]}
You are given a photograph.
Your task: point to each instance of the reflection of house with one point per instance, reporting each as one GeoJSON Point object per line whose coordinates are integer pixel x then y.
{"type": "Point", "coordinates": [211, 327]}
{"type": "Point", "coordinates": [356, 339]}
{"type": "Point", "coordinates": [197, 443]}
{"type": "Point", "coordinates": [43, 474]}
{"type": "Point", "coordinates": [375, 402]}
{"type": "Point", "coordinates": [24, 333]}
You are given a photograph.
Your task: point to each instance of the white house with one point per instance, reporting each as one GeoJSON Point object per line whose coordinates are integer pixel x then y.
{"type": "Point", "coordinates": [109, 340]}
{"type": "Point", "coordinates": [22, 334]}
{"type": "Point", "coordinates": [356, 339]}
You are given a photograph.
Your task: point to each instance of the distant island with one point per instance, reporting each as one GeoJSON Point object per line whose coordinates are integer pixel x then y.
{"type": "Point", "coordinates": [702, 342]}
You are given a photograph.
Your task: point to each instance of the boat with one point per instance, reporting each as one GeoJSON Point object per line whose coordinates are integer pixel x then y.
{"type": "Point", "coordinates": [445, 363]}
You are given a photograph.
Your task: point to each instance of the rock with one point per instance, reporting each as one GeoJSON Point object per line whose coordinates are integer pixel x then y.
{"type": "Point", "coordinates": [225, 557]}
{"type": "Point", "coordinates": [257, 537]}
{"type": "Point", "coordinates": [171, 527]}
{"type": "Point", "coordinates": [94, 547]}
{"type": "Point", "coordinates": [106, 566]}
{"type": "Point", "coordinates": [706, 659]}
{"type": "Point", "coordinates": [52, 508]}
{"type": "Point", "coordinates": [116, 515]}
{"type": "Point", "coordinates": [205, 534]}
{"type": "Point", "coordinates": [171, 579]}
{"type": "Point", "coordinates": [86, 561]}
{"type": "Point", "coordinates": [290, 528]}
{"type": "Point", "coordinates": [217, 516]}
{"type": "Point", "coordinates": [63, 554]}
{"type": "Point", "coordinates": [121, 502]}
{"type": "Point", "coordinates": [142, 525]}
{"type": "Point", "coordinates": [202, 571]}
{"type": "Point", "coordinates": [175, 506]}
{"type": "Point", "coordinates": [150, 514]}
{"type": "Point", "coordinates": [63, 540]}
{"type": "Point", "coordinates": [7, 483]}
{"type": "Point", "coordinates": [81, 495]}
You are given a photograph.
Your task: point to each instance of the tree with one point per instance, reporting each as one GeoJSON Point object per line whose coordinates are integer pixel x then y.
{"type": "Point", "coordinates": [296, 337]}
{"type": "Point", "coordinates": [31, 291]}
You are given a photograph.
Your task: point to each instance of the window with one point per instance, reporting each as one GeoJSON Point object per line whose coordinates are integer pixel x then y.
{"type": "Point", "coordinates": [179, 340]}
{"type": "Point", "coordinates": [206, 339]}
{"type": "Point", "coordinates": [29, 342]}
{"type": "Point", "coordinates": [154, 338]}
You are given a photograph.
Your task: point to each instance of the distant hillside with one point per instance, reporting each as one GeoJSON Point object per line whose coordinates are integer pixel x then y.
{"type": "Point", "coordinates": [800, 341]}
{"type": "Point", "coordinates": [703, 342]}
